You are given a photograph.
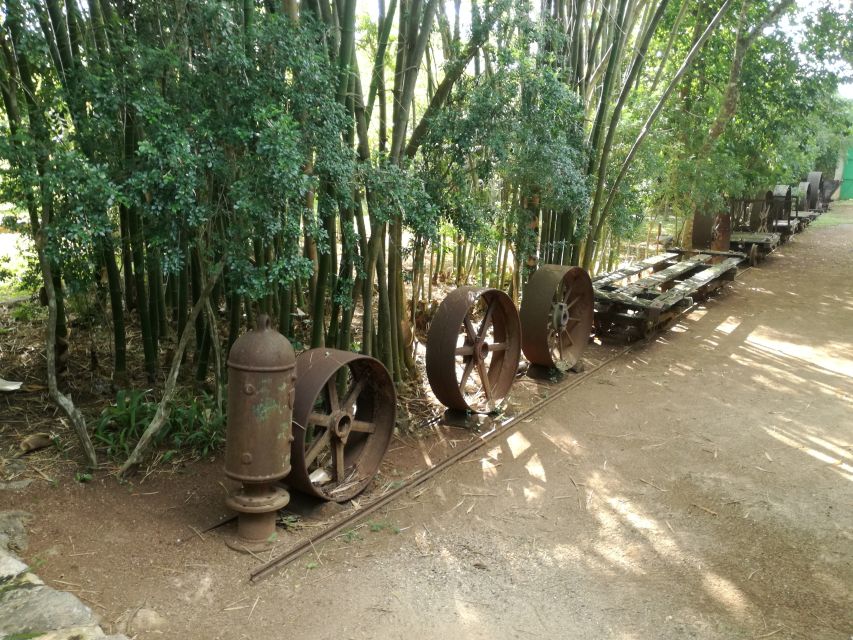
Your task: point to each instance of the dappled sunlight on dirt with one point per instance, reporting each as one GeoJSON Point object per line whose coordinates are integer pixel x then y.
{"type": "Point", "coordinates": [824, 357]}
{"type": "Point", "coordinates": [796, 441]}
{"type": "Point", "coordinates": [697, 487]}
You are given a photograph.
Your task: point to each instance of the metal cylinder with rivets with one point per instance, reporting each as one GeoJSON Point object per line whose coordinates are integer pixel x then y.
{"type": "Point", "coordinates": [261, 377]}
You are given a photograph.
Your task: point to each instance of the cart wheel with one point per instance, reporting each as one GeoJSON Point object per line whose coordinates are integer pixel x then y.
{"type": "Point", "coordinates": [754, 255]}
{"type": "Point", "coordinates": [343, 418]}
{"type": "Point", "coordinates": [556, 316]}
{"type": "Point", "coordinates": [473, 349]}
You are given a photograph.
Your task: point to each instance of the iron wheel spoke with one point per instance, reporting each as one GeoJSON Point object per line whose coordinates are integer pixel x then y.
{"type": "Point", "coordinates": [316, 447]}
{"type": "Point", "coordinates": [332, 390]}
{"type": "Point", "coordinates": [469, 328]}
{"type": "Point", "coordinates": [487, 320]}
{"type": "Point", "coordinates": [466, 373]}
{"type": "Point", "coordinates": [320, 419]}
{"type": "Point", "coordinates": [361, 426]}
{"type": "Point", "coordinates": [339, 461]}
{"type": "Point", "coordinates": [484, 379]}
{"type": "Point", "coordinates": [353, 394]}
{"type": "Point", "coordinates": [465, 350]}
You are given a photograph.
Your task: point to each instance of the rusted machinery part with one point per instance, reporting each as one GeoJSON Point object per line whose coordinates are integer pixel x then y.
{"type": "Point", "coordinates": [781, 209]}
{"type": "Point", "coordinates": [804, 199]}
{"type": "Point", "coordinates": [754, 255]}
{"type": "Point", "coordinates": [473, 349]}
{"type": "Point", "coordinates": [556, 316]}
{"type": "Point", "coordinates": [343, 418]}
{"type": "Point", "coordinates": [721, 232]}
{"type": "Point", "coordinates": [782, 191]}
{"type": "Point", "coordinates": [815, 179]}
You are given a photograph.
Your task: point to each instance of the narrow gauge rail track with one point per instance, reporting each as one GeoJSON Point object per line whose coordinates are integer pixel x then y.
{"type": "Point", "coordinates": [308, 544]}
{"type": "Point", "coordinates": [501, 427]}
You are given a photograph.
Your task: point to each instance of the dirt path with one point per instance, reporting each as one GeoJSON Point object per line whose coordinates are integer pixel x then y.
{"type": "Point", "coordinates": [700, 487]}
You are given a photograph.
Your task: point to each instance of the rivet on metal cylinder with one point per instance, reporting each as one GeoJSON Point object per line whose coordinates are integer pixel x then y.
{"type": "Point", "coordinates": [257, 446]}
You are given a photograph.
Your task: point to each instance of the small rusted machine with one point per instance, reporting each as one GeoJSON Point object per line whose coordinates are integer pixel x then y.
{"type": "Point", "coordinates": [473, 349]}
{"type": "Point", "coordinates": [261, 380]}
{"type": "Point", "coordinates": [556, 316]}
{"type": "Point", "coordinates": [329, 412]}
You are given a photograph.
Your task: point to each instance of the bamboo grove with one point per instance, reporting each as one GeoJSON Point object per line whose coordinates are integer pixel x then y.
{"type": "Point", "coordinates": [191, 165]}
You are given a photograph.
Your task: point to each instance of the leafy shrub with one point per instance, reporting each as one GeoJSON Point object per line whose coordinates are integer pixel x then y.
{"type": "Point", "coordinates": [194, 427]}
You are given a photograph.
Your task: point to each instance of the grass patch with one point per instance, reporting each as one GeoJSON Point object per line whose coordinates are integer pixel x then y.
{"type": "Point", "coordinates": [838, 215]}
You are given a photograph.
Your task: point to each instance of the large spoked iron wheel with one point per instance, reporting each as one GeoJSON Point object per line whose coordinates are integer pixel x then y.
{"type": "Point", "coordinates": [473, 349]}
{"type": "Point", "coordinates": [343, 418]}
{"type": "Point", "coordinates": [556, 316]}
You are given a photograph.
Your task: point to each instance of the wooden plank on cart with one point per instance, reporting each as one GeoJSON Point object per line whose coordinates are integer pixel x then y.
{"type": "Point", "coordinates": [632, 269]}
{"type": "Point", "coordinates": [728, 254]}
{"type": "Point", "coordinates": [622, 298]}
{"type": "Point", "coordinates": [787, 226]}
{"type": "Point", "coordinates": [688, 287]}
{"type": "Point", "coordinates": [666, 275]}
{"type": "Point", "coordinates": [745, 237]}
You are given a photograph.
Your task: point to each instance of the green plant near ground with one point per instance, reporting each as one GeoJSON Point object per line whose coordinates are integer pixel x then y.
{"type": "Point", "coordinates": [833, 218]}
{"type": "Point", "coordinates": [350, 535]}
{"type": "Point", "coordinates": [16, 261]}
{"type": "Point", "coordinates": [27, 312]}
{"type": "Point", "coordinates": [194, 427]}
{"type": "Point", "coordinates": [381, 525]}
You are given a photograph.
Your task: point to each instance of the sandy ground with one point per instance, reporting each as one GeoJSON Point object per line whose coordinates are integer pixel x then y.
{"type": "Point", "coordinates": [699, 487]}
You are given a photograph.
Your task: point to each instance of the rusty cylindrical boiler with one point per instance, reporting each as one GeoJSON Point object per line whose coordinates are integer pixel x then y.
{"type": "Point", "coordinates": [261, 378]}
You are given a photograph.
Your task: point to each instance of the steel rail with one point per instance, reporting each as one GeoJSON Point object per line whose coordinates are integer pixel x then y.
{"type": "Point", "coordinates": [308, 544]}
{"type": "Point", "coordinates": [267, 568]}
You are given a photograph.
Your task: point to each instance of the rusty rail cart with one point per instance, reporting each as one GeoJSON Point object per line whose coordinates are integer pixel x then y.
{"type": "Point", "coordinates": [641, 307]}
{"type": "Point", "coordinates": [755, 245]}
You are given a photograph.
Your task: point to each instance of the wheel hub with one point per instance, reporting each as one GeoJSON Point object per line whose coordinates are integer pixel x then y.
{"type": "Point", "coordinates": [560, 315]}
{"type": "Point", "coordinates": [341, 425]}
{"type": "Point", "coordinates": [481, 348]}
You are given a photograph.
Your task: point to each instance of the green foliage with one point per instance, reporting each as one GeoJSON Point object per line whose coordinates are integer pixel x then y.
{"type": "Point", "coordinates": [6, 273]}
{"type": "Point", "coordinates": [194, 425]}
{"type": "Point", "coordinates": [28, 312]}
{"type": "Point", "coordinates": [376, 526]}
{"type": "Point", "coordinates": [787, 116]}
